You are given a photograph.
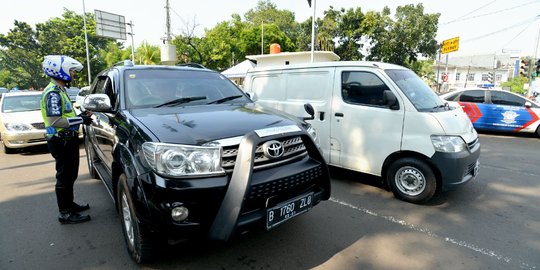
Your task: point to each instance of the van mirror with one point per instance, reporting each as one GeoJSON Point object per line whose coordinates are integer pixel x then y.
{"type": "Point", "coordinates": [309, 109]}
{"type": "Point", "coordinates": [390, 100]}
{"type": "Point", "coordinates": [251, 95]}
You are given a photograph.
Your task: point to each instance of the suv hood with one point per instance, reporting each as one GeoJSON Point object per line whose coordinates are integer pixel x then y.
{"type": "Point", "coordinates": [196, 125]}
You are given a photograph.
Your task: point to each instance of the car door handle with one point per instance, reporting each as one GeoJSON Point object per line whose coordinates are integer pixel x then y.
{"type": "Point", "coordinates": [338, 114]}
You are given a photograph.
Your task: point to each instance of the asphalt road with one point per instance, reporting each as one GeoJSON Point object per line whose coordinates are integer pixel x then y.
{"type": "Point", "coordinates": [491, 223]}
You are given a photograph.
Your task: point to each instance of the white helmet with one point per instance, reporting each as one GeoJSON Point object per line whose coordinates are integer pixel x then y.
{"type": "Point", "coordinates": [58, 66]}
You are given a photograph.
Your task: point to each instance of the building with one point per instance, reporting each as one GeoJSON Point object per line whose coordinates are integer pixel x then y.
{"type": "Point", "coordinates": [468, 71]}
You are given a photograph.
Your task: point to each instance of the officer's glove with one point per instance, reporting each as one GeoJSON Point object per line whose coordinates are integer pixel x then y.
{"type": "Point", "coordinates": [87, 120]}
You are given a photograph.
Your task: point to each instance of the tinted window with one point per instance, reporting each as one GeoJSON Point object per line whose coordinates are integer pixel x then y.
{"type": "Point", "coordinates": [452, 97]}
{"type": "Point", "coordinates": [362, 88]}
{"type": "Point", "coordinates": [145, 87]}
{"type": "Point", "coordinates": [502, 98]}
{"type": "Point", "coordinates": [475, 96]}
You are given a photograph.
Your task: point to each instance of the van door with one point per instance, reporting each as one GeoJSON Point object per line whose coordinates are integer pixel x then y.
{"type": "Point", "coordinates": [364, 130]}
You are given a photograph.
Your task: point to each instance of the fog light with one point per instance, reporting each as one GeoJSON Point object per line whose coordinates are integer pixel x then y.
{"type": "Point", "coordinates": [179, 213]}
{"type": "Point", "coordinates": [17, 142]}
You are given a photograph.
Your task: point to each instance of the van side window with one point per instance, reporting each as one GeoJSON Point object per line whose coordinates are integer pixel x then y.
{"type": "Point", "coordinates": [475, 96]}
{"type": "Point", "coordinates": [362, 88]}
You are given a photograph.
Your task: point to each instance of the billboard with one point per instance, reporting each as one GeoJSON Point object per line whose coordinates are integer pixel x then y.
{"type": "Point", "coordinates": [110, 25]}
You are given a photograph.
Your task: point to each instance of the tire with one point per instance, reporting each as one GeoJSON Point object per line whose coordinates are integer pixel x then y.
{"type": "Point", "coordinates": [411, 180]}
{"type": "Point", "coordinates": [538, 131]}
{"type": "Point", "coordinates": [8, 150]}
{"type": "Point", "coordinates": [90, 158]}
{"type": "Point", "coordinates": [141, 244]}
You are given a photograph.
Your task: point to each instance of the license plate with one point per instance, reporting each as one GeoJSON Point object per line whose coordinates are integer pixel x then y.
{"type": "Point", "coordinates": [289, 209]}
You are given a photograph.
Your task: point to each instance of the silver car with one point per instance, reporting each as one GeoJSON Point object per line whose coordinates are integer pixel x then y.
{"type": "Point", "coordinates": [21, 123]}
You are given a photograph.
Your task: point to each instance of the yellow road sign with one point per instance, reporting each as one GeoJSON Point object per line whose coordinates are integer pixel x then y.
{"type": "Point", "coordinates": [450, 45]}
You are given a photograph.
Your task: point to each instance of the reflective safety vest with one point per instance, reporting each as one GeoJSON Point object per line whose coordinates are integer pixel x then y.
{"type": "Point", "coordinates": [50, 106]}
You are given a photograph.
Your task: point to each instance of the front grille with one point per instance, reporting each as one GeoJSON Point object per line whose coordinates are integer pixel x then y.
{"type": "Point", "coordinates": [473, 144]}
{"type": "Point", "coordinates": [38, 125]}
{"type": "Point", "coordinates": [283, 185]}
{"type": "Point", "coordinates": [470, 169]}
{"type": "Point", "coordinates": [293, 148]}
{"type": "Point", "coordinates": [36, 140]}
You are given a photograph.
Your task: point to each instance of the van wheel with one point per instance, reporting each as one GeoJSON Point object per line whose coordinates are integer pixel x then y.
{"type": "Point", "coordinates": [538, 131]}
{"type": "Point", "coordinates": [90, 158]}
{"type": "Point", "coordinates": [141, 243]}
{"type": "Point", "coordinates": [411, 180]}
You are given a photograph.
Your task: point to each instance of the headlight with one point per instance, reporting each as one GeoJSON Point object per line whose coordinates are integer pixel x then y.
{"type": "Point", "coordinates": [449, 144]}
{"type": "Point", "coordinates": [313, 133]}
{"type": "Point", "coordinates": [18, 127]}
{"type": "Point", "coordinates": [183, 160]}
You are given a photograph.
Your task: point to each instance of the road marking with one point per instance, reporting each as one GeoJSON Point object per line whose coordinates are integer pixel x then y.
{"type": "Point", "coordinates": [417, 228]}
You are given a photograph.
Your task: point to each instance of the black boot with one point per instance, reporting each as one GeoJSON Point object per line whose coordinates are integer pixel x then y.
{"type": "Point", "coordinates": [79, 207]}
{"type": "Point", "coordinates": [69, 217]}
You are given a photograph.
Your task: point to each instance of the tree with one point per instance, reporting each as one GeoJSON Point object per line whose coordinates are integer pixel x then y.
{"type": "Point", "coordinates": [516, 84]}
{"type": "Point", "coordinates": [147, 54]}
{"type": "Point", "coordinates": [403, 40]}
{"type": "Point", "coordinates": [22, 49]}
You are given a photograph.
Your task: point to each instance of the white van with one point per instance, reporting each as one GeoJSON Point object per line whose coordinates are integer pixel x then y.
{"type": "Point", "coordinates": [376, 118]}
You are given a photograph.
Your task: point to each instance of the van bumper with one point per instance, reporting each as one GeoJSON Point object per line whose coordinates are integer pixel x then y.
{"type": "Point", "coordinates": [457, 168]}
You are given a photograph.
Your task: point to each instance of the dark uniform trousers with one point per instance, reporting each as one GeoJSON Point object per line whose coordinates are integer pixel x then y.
{"type": "Point", "coordinates": [65, 151]}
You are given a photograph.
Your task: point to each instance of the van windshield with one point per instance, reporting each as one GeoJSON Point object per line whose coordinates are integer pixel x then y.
{"type": "Point", "coordinates": [422, 97]}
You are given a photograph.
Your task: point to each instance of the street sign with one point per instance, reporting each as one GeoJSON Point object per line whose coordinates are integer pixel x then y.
{"type": "Point", "coordinates": [110, 25]}
{"type": "Point", "coordinates": [450, 45]}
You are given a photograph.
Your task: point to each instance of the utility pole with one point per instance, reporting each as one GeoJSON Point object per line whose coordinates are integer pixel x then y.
{"type": "Point", "coordinates": [312, 30]}
{"type": "Point", "coordinates": [438, 71]}
{"type": "Point", "coordinates": [87, 51]}
{"type": "Point", "coordinates": [168, 22]}
{"type": "Point", "coordinates": [132, 43]}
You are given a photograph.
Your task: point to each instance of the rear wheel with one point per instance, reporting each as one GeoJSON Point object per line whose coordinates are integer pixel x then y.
{"type": "Point", "coordinates": [538, 131]}
{"type": "Point", "coordinates": [412, 180]}
{"type": "Point", "coordinates": [141, 243]}
{"type": "Point", "coordinates": [90, 158]}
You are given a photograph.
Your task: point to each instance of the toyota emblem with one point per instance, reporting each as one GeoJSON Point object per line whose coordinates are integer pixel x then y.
{"type": "Point", "coordinates": [273, 149]}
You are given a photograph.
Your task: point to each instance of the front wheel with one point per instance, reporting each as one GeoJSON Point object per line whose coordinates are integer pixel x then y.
{"type": "Point", "coordinates": [8, 150]}
{"type": "Point", "coordinates": [538, 131]}
{"type": "Point", "coordinates": [141, 244]}
{"type": "Point", "coordinates": [412, 180]}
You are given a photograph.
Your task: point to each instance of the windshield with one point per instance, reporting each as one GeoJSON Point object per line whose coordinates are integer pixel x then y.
{"type": "Point", "coordinates": [416, 90]}
{"type": "Point", "coordinates": [178, 87]}
{"type": "Point", "coordinates": [21, 103]}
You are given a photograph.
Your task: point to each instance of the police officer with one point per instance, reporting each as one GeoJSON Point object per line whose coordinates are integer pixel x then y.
{"type": "Point", "coordinates": [62, 125]}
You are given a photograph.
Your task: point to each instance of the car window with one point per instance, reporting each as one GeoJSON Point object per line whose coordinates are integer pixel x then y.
{"type": "Point", "coordinates": [146, 88]}
{"type": "Point", "coordinates": [421, 96]}
{"type": "Point", "coordinates": [21, 103]}
{"type": "Point", "coordinates": [452, 97]}
{"type": "Point", "coordinates": [475, 96]}
{"type": "Point", "coordinates": [502, 98]}
{"type": "Point", "coordinates": [363, 88]}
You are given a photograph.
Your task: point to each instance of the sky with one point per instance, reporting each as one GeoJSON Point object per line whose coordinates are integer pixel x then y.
{"type": "Point", "coordinates": [483, 26]}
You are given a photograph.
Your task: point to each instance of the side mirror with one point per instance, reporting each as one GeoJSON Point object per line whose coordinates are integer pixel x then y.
{"type": "Point", "coordinates": [97, 103]}
{"type": "Point", "coordinates": [251, 95]}
{"type": "Point", "coordinates": [528, 104]}
{"type": "Point", "coordinates": [390, 100]}
{"type": "Point", "coordinates": [309, 109]}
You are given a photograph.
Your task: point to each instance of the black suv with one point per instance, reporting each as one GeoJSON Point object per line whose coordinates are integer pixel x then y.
{"type": "Point", "coordinates": [185, 153]}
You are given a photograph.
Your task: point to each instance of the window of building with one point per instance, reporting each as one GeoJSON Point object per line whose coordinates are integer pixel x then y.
{"type": "Point", "coordinates": [457, 76]}
{"type": "Point", "coordinates": [470, 77]}
{"type": "Point", "coordinates": [484, 77]}
{"type": "Point", "coordinates": [498, 77]}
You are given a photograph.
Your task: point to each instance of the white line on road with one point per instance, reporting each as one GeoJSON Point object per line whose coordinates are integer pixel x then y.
{"type": "Point", "coordinates": [460, 243]}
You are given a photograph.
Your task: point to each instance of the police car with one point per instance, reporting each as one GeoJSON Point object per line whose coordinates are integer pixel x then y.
{"type": "Point", "coordinates": [497, 110]}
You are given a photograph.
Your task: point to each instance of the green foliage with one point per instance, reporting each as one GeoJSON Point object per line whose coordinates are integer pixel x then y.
{"type": "Point", "coordinates": [352, 34]}
{"type": "Point", "coordinates": [516, 85]}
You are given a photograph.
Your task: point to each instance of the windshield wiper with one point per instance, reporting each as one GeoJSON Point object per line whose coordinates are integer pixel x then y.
{"type": "Point", "coordinates": [179, 101]}
{"type": "Point", "coordinates": [221, 100]}
{"type": "Point", "coordinates": [445, 105]}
